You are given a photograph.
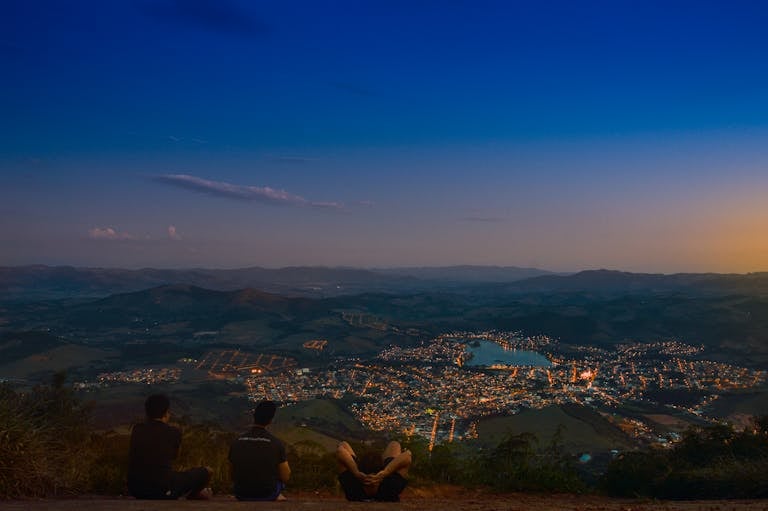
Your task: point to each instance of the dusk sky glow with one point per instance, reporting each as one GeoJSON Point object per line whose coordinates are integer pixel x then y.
{"type": "Point", "coordinates": [628, 135]}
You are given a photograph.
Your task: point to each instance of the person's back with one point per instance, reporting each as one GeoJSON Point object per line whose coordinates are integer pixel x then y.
{"type": "Point", "coordinates": [254, 457]}
{"type": "Point", "coordinates": [259, 465]}
{"type": "Point", "coordinates": [154, 446]}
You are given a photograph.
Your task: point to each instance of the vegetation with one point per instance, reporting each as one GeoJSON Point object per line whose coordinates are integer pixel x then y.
{"type": "Point", "coordinates": [48, 448]}
{"type": "Point", "coordinates": [44, 439]}
{"type": "Point", "coordinates": [709, 462]}
{"type": "Point", "coordinates": [517, 463]}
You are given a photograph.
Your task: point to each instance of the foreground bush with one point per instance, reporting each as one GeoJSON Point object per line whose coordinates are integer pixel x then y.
{"type": "Point", "coordinates": [517, 463]}
{"type": "Point", "coordinates": [48, 448]}
{"type": "Point", "coordinates": [44, 442]}
{"type": "Point", "coordinates": [714, 462]}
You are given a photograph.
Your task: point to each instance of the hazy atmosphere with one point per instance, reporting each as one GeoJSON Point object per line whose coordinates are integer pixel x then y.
{"type": "Point", "coordinates": [560, 135]}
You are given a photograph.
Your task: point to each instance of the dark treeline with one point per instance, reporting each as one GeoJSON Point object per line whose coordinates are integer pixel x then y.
{"type": "Point", "coordinates": [49, 448]}
{"type": "Point", "coordinates": [713, 462]}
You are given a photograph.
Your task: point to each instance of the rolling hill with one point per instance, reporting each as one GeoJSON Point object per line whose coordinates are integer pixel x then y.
{"type": "Point", "coordinates": [583, 429]}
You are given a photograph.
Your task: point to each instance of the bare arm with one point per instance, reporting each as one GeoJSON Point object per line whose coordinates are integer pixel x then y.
{"type": "Point", "coordinates": [345, 457]}
{"type": "Point", "coordinates": [284, 471]}
{"type": "Point", "coordinates": [399, 464]}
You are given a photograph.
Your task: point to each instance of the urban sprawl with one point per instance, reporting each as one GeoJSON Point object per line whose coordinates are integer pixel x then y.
{"type": "Point", "coordinates": [435, 390]}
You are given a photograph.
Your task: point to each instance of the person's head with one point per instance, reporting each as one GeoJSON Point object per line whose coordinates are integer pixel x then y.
{"type": "Point", "coordinates": [264, 413]}
{"type": "Point", "coordinates": [157, 406]}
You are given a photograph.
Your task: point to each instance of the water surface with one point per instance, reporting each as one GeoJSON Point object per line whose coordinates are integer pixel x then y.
{"type": "Point", "coordinates": [489, 353]}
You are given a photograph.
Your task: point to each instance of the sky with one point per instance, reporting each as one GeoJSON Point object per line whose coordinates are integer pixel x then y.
{"type": "Point", "coordinates": [628, 135]}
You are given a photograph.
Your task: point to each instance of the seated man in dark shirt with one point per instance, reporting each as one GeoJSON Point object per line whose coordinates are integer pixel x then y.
{"type": "Point", "coordinates": [154, 445]}
{"type": "Point", "coordinates": [259, 466]}
{"type": "Point", "coordinates": [374, 476]}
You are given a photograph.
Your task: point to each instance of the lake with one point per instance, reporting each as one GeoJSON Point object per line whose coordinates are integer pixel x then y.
{"type": "Point", "coordinates": [490, 353]}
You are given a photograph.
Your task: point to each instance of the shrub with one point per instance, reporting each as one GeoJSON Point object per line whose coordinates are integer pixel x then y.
{"type": "Point", "coordinates": [44, 442]}
{"type": "Point", "coordinates": [709, 462]}
{"type": "Point", "coordinates": [312, 467]}
{"type": "Point", "coordinates": [518, 464]}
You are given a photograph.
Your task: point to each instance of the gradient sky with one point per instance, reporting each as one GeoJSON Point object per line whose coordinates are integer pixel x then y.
{"type": "Point", "coordinates": [566, 135]}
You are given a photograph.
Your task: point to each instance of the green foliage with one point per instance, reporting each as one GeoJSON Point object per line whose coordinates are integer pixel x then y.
{"type": "Point", "coordinates": [452, 463]}
{"type": "Point", "coordinates": [109, 470]}
{"type": "Point", "coordinates": [517, 463]}
{"type": "Point", "coordinates": [709, 462]}
{"type": "Point", "coordinates": [207, 445]}
{"type": "Point", "coordinates": [636, 474]}
{"type": "Point", "coordinates": [44, 436]}
{"type": "Point", "coordinates": [312, 467]}
{"type": "Point", "coordinates": [48, 448]}
{"type": "Point", "coordinates": [447, 464]}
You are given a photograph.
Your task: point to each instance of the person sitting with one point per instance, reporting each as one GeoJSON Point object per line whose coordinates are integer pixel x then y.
{"type": "Point", "coordinates": [373, 477]}
{"type": "Point", "coordinates": [259, 467]}
{"type": "Point", "coordinates": [154, 445]}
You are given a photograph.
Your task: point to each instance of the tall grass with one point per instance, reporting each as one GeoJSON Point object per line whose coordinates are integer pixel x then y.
{"type": "Point", "coordinates": [48, 448]}
{"type": "Point", "coordinates": [44, 442]}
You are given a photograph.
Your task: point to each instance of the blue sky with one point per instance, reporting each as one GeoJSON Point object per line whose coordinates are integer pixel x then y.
{"type": "Point", "coordinates": [564, 135]}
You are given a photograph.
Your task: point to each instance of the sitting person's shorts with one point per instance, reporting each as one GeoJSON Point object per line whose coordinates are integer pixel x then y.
{"type": "Point", "coordinates": [389, 488]}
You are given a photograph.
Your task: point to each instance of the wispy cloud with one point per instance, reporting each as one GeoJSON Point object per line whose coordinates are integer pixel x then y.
{"type": "Point", "coordinates": [108, 233]}
{"type": "Point", "coordinates": [263, 194]}
{"type": "Point", "coordinates": [173, 234]}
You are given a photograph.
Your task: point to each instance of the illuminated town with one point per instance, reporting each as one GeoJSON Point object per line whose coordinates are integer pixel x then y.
{"type": "Point", "coordinates": [438, 390]}
{"type": "Point", "coordinates": [433, 391]}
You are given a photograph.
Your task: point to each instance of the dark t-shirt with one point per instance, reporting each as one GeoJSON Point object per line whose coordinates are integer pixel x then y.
{"type": "Point", "coordinates": [255, 457]}
{"type": "Point", "coordinates": [154, 446]}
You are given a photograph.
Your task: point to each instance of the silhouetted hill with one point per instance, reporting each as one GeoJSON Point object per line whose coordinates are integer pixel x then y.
{"type": "Point", "coordinates": [17, 345]}
{"type": "Point", "coordinates": [53, 282]}
{"type": "Point", "coordinates": [46, 282]}
{"type": "Point", "coordinates": [184, 303]}
{"type": "Point", "coordinates": [467, 273]}
{"type": "Point", "coordinates": [41, 282]}
{"type": "Point", "coordinates": [583, 428]}
{"type": "Point", "coordinates": [618, 282]}
{"type": "Point", "coordinates": [727, 313]}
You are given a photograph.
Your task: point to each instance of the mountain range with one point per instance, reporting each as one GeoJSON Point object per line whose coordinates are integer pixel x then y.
{"type": "Point", "coordinates": [52, 282]}
{"type": "Point", "coordinates": [57, 282]}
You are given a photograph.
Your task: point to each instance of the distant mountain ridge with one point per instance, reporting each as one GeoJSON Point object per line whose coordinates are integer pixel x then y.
{"type": "Point", "coordinates": [618, 282]}
{"type": "Point", "coordinates": [53, 282]}
{"type": "Point", "coordinates": [56, 282]}
{"type": "Point", "coordinates": [468, 273]}
{"type": "Point", "coordinates": [712, 310]}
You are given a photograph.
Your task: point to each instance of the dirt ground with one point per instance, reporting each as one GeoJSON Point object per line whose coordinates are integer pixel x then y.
{"type": "Point", "coordinates": [412, 502]}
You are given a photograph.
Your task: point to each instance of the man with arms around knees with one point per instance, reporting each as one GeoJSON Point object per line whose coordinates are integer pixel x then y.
{"type": "Point", "coordinates": [375, 476]}
{"type": "Point", "coordinates": [153, 447]}
{"type": "Point", "coordinates": [259, 466]}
